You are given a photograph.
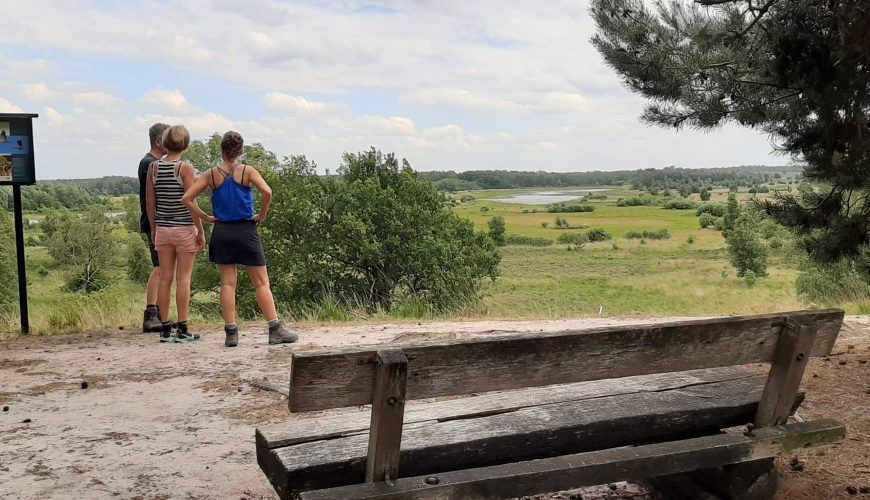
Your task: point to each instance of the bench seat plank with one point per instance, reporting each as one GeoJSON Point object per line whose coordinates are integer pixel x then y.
{"type": "Point", "coordinates": [598, 467]}
{"type": "Point", "coordinates": [345, 378]}
{"type": "Point", "coordinates": [433, 446]}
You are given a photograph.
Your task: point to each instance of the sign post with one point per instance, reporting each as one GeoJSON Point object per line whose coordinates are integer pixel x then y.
{"type": "Point", "coordinates": [17, 169]}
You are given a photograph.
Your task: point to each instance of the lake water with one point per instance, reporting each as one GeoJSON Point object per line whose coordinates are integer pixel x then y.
{"type": "Point", "coordinates": [546, 197]}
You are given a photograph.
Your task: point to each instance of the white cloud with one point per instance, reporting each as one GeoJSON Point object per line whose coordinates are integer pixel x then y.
{"type": "Point", "coordinates": [279, 101]}
{"type": "Point", "coordinates": [54, 116]}
{"type": "Point", "coordinates": [99, 100]}
{"type": "Point", "coordinates": [167, 100]}
{"type": "Point", "coordinates": [513, 102]}
{"type": "Point", "coordinates": [372, 125]}
{"type": "Point", "coordinates": [8, 107]}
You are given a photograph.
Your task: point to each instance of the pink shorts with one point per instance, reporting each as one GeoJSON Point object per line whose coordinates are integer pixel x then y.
{"type": "Point", "coordinates": [182, 239]}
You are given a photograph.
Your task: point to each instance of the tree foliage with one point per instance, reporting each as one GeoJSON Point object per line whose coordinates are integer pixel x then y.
{"type": "Point", "coordinates": [794, 69]}
{"type": "Point", "coordinates": [374, 235]}
{"type": "Point", "coordinates": [8, 270]}
{"type": "Point", "coordinates": [496, 227]}
{"type": "Point", "coordinates": [85, 243]}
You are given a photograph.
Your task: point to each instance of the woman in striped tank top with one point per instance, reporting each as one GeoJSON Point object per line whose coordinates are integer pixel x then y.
{"type": "Point", "coordinates": [177, 236]}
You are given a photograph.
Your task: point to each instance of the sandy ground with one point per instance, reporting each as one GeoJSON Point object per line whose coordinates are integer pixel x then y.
{"type": "Point", "coordinates": [118, 415]}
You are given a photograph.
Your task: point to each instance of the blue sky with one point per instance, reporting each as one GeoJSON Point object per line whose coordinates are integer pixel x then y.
{"type": "Point", "coordinates": [449, 85]}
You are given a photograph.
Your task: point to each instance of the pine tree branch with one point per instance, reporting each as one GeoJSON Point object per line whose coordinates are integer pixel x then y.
{"type": "Point", "coordinates": [761, 13]}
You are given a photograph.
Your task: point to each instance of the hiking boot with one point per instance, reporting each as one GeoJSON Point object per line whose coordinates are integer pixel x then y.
{"type": "Point", "coordinates": [151, 321]}
{"type": "Point", "coordinates": [181, 330]}
{"type": "Point", "coordinates": [166, 333]}
{"type": "Point", "coordinates": [279, 335]}
{"type": "Point", "coordinates": [232, 339]}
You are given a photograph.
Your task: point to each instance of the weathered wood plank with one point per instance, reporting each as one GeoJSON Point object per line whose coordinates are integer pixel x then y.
{"type": "Point", "coordinates": [598, 467]}
{"type": "Point", "coordinates": [314, 426]}
{"type": "Point", "coordinates": [524, 434]}
{"type": "Point", "coordinates": [345, 378]}
{"type": "Point", "coordinates": [786, 371]}
{"type": "Point", "coordinates": [388, 410]}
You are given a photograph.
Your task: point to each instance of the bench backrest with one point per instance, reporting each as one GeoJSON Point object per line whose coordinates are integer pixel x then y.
{"type": "Point", "coordinates": [322, 380]}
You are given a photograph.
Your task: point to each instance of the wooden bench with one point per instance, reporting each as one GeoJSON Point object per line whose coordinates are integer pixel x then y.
{"type": "Point", "coordinates": [561, 410]}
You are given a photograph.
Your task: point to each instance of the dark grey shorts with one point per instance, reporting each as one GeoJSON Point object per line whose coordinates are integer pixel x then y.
{"type": "Point", "coordinates": [236, 243]}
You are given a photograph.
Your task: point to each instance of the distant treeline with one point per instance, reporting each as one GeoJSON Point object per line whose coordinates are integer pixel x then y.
{"type": "Point", "coordinates": [53, 197]}
{"type": "Point", "coordinates": [682, 179]}
{"type": "Point", "coordinates": [110, 186]}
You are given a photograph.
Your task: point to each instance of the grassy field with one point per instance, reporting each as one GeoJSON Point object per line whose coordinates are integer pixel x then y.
{"type": "Point", "coordinates": [620, 277]}
{"type": "Point", "coordinates": [623, 277]}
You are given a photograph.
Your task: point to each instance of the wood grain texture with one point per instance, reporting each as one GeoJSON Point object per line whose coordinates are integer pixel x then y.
{"type": "Point", "coordinates": [313, 426]}
{"type": "Point", "coordinates": [345, 378]}
{"type": "Point", "coordinates": [786, 371]}
{"type": "Point", "coordinates": [523, 434]}
{"type": "Point", "coordinates": [388, 410]}
{"type": "Point", "coordinates": [598, 467]}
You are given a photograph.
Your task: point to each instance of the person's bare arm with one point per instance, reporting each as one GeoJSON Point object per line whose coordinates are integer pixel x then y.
{"type": "Point", "coordinates": [191, 193]}
{"type": "Point", "coordinates": [266, 194]}
{"type": "Point", "coordinates": [151, 200]}
{"type": "Point", "coordinates": [188, 178]}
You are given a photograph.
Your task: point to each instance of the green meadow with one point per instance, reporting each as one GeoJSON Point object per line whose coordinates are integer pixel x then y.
{"type": "Point", "coordinates": [622, 277]}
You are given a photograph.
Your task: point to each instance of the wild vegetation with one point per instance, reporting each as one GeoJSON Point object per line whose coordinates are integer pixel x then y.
{"type": "Point", "coordinates": [378, 241]}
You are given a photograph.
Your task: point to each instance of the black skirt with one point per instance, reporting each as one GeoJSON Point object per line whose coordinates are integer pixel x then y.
{"type": "Point", "coordinates": [236, 243]}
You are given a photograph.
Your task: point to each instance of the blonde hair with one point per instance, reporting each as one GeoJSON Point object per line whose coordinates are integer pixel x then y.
{"type": "Point", "coordinates": [176, 138]}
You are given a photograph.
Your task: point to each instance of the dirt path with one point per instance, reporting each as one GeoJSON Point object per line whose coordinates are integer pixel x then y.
{"type": "Point", "coordinates": [119, 415]}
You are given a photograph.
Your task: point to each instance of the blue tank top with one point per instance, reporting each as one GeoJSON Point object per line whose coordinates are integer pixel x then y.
{"type": "Point", "coordinates": [232, 201]}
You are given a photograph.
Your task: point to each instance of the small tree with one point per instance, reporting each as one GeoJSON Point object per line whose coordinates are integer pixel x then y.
{"type": "Point", "coordinates": [132, 213]}
{"type": "Point", "coordinates": [732, 212]}
{"type": "Point", "coordinates": [85, 244]}
{"type": "Point", "coordinates": [497, 230]}
{"type": "Point", "coordinates": [704, 194]}
{"type": "Point", "coordinates": [745, 247]}
{"type": "Point", "coordinates": [138, 263]}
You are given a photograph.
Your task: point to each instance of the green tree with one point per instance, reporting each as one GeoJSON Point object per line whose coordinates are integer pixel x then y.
{"type": "Point", "coordinates": [138, 261]}
{"type": "Point", "coordinates": [497, 229]}
{"type": "Point", "coordinates": [132, 213]}
{"type": "Point", "coordinates": [732, 212]}
{"type": "Point", "coordinates": [793, 69]}
{"type": "Point", "coordinates": [373, 235]}
{"type": "Point", "coordinates": [85, 244]}
{"type": "Point", "coordinates": [704, 194]}
{"type": "Point", "coordinates": [745, 247]}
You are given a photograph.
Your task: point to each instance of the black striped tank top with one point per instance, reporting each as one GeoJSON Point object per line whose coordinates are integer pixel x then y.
{"type": "Point", "coordinates": [168, 190]}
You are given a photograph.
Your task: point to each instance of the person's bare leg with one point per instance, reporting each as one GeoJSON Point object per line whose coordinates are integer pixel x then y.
{"type": "Point", "coordinates": [167, 273]}
{"type": "Point", "coordinates": [229, 280]}
{"type": "Point", "coordinates": [260, 279]}
{"type": "Point", "coordinates": [183, 271]}
{"type": "Point", "coordinates": [153, 285]}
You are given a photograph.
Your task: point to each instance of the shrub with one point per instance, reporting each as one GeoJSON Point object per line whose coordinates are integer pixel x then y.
{"type": "Point", "coordinates": [545, 224]}
{"type": "Point", "coordinates": [691, 239]}
{"type": "Point", "coordinates": [714, 209]}
{"type": "Point", "coordinates": [679, 205]}
{"type": "Point", "coordinates": [615, 245]}
{"type": "Point", "coordinates": [598, 234]}
{"type": "Point", "coordinates": [706, 220]}
{"type": "Point", "coordinates": [84, 243]}
{"type": "Point", "coordinates": [466, 198]}
{"type": "Point", "coordinates": [595, 196]}
{"type": "Point", "coordinates": [635, 201]}
{"type": "Point", "coordinates": [497, 229]}
{"type": "Point", "coordinates": [8, 269]}
{"type": "Point", "coordinates": [86, 281]}
{"type": "Point", "coordinates": [562, 223]}
{"type": "Point", "coordinates": [657, 234]}
{"type": "Point", "coordinates": [704, 194]}
{"type": "Point", "coordinates": [484, 210]}
{"type": "Point", "coordinates": [32, 241]}
{"type": "Point", "coordinates": [138, 262]}
{"type": "Point", "coordinates": [565, 208]}
{"type": "Point", "coordinates": [573, 239]}
{"type": "Point", "coordinates": [528, 241]}
{"type": "Point", "coordinates": [750, 278]}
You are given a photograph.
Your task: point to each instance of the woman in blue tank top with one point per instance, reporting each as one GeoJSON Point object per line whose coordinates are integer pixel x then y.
{"type": "Point", "coordinates": [235, 240]}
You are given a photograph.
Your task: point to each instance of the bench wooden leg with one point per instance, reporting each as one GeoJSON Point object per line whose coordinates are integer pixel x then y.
{"type": "Point", "coordinates": [755, 480]}
{"type": "Point", "coordinates": [388, 413]}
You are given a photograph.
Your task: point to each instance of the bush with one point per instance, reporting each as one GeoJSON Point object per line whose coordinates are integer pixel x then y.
{"type": "Point", "coordinates": [750, 278]}
{"type": "Point", "coordinates": [86, 281]}
{"type": "Point", "coordinates": [496, 230]}
{"type": "Point", "coordinates": [138, 261]}
{"type": "Point", "coordinates": [714, 209]}
{"type": "Point", "coordinates": [679, 205]}
{"type": "Point", "coordinates": [545, 224]}
{"type": "Point", "coordinates": [691, 239]}
{"type": "Point", "coordinates": [85, 243]}
{"type": "Point", "coordinates": [528, 241]}
{"type": "Point", "coordinates": [598, 234]}
{"type": "Point", "coordinates": [466, 198]}
{"type": "Point", "coordinates": [706, 220]}
{"type": "Point", "coordinates": [636, 201]}
{"type": "Point", "coordinates": [565, 208]}
{"type": "Point", "coordinates": [657, 234]}
{"type": "Point", "coordinates": [32, 241]}
{"type": "Point", "coordinates": [8, 269]}
{"type": "Point", "coordinates": [573, 239]}
{"type": "Point", "coordinates": [592, 196]}
{"type": "Point", "coordinates": [704, 194]}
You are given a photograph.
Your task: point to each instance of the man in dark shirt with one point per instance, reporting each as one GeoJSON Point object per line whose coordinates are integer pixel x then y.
{"type": "Point", "coordinates": [151, 323]}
